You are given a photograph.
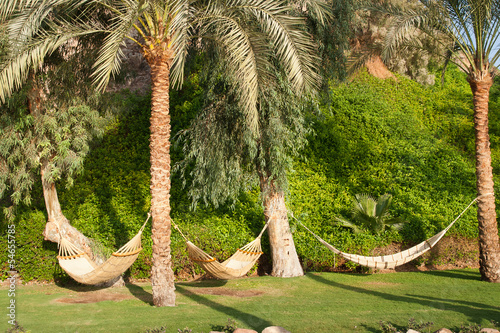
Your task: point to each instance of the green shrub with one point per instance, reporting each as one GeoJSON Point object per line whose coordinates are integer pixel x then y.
{"type": "Point", "coordinates": [376, 136]}
{"type": "Point", "coordinates": [35, 259]}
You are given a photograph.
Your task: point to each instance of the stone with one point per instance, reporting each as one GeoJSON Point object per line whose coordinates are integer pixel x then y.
{"type": "Point", "coordinates": [443, 330]}
{"type": "Point", "coordinates": [215, 332]}
{"type": "Point", "coordinates": [244, 330]}
{"type": "Point", "coordinates": [275, 329]}
{"type": "Point", "coordinates": [489, 330]}
{"type": "Point", "coordinates": [412, 331]}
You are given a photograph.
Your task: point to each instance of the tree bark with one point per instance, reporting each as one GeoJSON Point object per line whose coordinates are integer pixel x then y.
{"type": "Point", "coordinates": [489, 249]}
{"type": "Point", "coordinates": [57, 224]}
{"type": "Point", "coordinates": [162, 275]}
{"type": "Point", "coordinates": [284, 255]}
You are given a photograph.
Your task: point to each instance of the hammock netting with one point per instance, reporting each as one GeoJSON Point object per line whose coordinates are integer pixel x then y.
{"type": "Point", "coordinates": [238, 265]}
{"type": "Point", "coordinates": [81, 268]}
{"type": "Point", "coordinates": [393, 260]}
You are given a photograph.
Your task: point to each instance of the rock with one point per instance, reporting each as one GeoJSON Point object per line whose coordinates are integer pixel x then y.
{"type": "Point", "coordinates": [215, 332]}
{"type": "Point", "coordinates": [443, 330]}
{"type": "Point", "coordinates": [275, 329]}
{"type": "Point", "coordinates": [412, 331]}
{"type": "Point", "coordinates": [244, 330]}
{"type": "Point", "coordinates": [489, 330]}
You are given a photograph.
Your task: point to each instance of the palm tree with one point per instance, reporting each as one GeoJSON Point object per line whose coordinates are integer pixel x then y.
{"type": "Point", "coordinates": [371, 214]}
{"type": "Point", "coordinates": [469, 32]}
{"type": "Point", "coordinates": [243, 31]}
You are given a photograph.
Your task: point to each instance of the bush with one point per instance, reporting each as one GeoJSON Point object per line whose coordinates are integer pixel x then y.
{"type": "Point", "coordinates": [376, 136]}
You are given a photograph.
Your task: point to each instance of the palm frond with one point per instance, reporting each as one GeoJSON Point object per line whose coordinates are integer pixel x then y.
{"type": "Point", "coordinates": [180, 30]}
{"type": "Point", "coordinates": [245, 50]}
{"type": "Point", "coordinates": [320, 10]}
{"type": "Point", "coordinates": [364, 204]}
{"type": "Point", "coordinates": [110, 55]}
{"type": "Point", "coordinates": [292, 45]}
{"type": "Point", "coordinates": [348, 224]}
{"type": "Point", "coordinates": [14, 72]}
{"type": "Point", "coordinates": [383, 204]}
{"type": "Point", "coordinates": [471, 27]}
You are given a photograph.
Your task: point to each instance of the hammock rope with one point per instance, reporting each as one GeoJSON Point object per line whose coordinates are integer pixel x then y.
{"type": "Point", "coordinates": [81, 268]}
{"type": "Point", "coordinates": [397, 259]}
{"type": "Point", "coordinates": [236, 266]}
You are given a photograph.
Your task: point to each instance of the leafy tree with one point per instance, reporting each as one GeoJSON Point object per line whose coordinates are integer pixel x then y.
{"type": "Point", "coordinates": [46, 129]}
{"type": "Point", "coordinates": [371, 214]}
{"type": "Point", "coordinates": [468, 31]}
{"type": "Point", "coordinates": [243, 31]}
{"type": "Point", "coordinates": [224, 157]}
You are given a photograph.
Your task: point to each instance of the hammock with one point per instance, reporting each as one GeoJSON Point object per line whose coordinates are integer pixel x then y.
{"type": "Point", "coordinates": [81, 268]}
{"type": "Point", "coordinates": [236, 266]}
{"type": "Point", "coordinates": [397, 259]}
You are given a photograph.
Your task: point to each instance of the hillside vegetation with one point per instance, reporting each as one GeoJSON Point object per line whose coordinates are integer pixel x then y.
{"type": "Point", "coordinates": [373, 136]}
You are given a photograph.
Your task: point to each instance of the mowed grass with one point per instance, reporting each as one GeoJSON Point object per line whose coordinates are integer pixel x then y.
{"type": "Point", "coordinates": [317, 302]}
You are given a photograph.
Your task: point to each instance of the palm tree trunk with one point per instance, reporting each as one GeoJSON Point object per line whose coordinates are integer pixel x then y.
{"type": "Point", "coordinates": [162, 275]}
{"type": "Point", "coordinates": [284, 255]}
{"type": "Point", "coordinates": [489, 250]}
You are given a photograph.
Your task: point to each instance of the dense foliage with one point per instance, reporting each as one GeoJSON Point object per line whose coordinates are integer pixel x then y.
{"type": "Point", "coordinates": [375, 136]}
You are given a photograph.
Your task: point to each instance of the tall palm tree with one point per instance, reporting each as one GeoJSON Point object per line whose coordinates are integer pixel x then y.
{"type": "Point", "coordinates": [469, 31]}
{"type": "Point", "coordinates": [245, 32]}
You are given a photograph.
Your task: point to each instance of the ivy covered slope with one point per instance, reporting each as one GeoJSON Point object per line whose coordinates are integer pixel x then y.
{"type": "Point", "coordinates": [391, 136]}
{"type": "Point", "coordinates": [375, 136]}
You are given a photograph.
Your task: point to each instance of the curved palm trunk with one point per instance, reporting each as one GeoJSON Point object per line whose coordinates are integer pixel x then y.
{"type": "Point", "coordinates": [162, 275]}
{"type": "Point", "coordinates": [489, 250]}
{"type": "Point", "coordinates": [284, 255]}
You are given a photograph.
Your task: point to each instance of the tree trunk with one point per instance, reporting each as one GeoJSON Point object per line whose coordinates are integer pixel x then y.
{"type": "Point", "coordinates": [284, 255]}
{"type": "Point", "coordinates": [162, 275]}
{"type": "Point", "coordinates": [489, 250]}
{"type": "Point", "coordinates": [57, 224]}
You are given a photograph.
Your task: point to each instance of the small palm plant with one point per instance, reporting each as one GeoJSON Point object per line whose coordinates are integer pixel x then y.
{"type": "Point", "coordinates": [371, 214]}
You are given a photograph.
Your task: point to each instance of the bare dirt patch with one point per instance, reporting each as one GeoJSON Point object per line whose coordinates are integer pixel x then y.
{"type": "Point", "coordinates": [93, 297]}
{"type": "Point", "coordinates": [226, 292]}
{"type": "Point", "coordinates": [377, 68]}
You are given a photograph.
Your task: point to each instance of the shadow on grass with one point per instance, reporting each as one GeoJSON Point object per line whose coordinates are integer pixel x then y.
{"type": "Point", "coordinates": [461, 274]}
{"type": "Point", "coordinates": [474, 311]}
{"type": "Point", "coordinates": [204, 283]}
{"type": "Point", "coordinates": [140, 293]}
{"type": "Point", "coordinates": [248, 319]}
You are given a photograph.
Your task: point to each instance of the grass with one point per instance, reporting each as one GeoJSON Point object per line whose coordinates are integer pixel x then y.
{"type": "Point", "coordinates": [317, 302]}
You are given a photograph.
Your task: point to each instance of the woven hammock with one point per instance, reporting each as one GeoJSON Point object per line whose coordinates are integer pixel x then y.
{"type": "Point", "coordinates": [81, 268]}
{"type": "Point", "coordinates": [236, 266]}
{"type": "Point", "coordinates": [393, 260]}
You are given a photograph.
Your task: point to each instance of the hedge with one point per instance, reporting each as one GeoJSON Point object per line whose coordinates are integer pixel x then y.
{"type": "Point", "coordinates": [374, 136]}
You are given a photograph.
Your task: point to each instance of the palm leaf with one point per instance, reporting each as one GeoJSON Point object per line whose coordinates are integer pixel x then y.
{"type": "Point", "coordinates": [348, 224]}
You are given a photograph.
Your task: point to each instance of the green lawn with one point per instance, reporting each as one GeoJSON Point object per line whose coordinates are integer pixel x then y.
{"type": "Point", "coordinates": [317, 302]}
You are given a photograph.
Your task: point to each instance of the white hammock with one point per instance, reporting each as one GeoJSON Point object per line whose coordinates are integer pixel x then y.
{"type": "Point", "coordinates": [236, 266]}
{"type": "Point", "coordinates": [81, 268]}
{"type": "Point", "coordinates": [397, 259]}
